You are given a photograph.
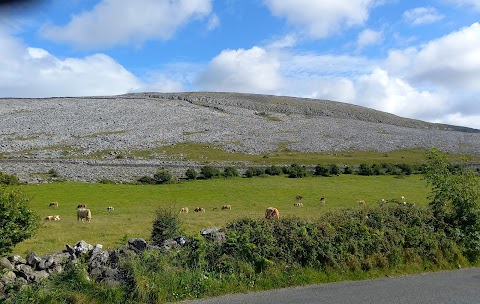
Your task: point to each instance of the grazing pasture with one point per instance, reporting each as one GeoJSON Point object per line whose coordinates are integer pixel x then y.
{"type": "Point", "coordinates": [135, 205]}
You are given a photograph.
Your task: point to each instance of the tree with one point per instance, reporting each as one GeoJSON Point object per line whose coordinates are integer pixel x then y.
{"type": "Point", "coordinates": [455, 200]}
{"type": "Point", "coordinates": [297, 171]}
{"type": "Point", "coordinates": [17, 222]}
{"type": "Point", "coordinates": [191, 173]}
{"type": "Point", "coordinates": [230, 172]}
{"type": "Point", "coordinates": [165, 226]}
{"type": "Point", "coordinates": [209, 172]}
{"type": "Point", "coordinates": [162, 177]}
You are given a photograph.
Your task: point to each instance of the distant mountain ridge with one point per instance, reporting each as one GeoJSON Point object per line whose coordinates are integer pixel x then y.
{"type": "Point", "coordinates": [302, 106]}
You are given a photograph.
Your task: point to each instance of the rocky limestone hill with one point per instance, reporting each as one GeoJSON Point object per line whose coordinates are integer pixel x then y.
{"type": "Point", "coordinates": [74, 134]}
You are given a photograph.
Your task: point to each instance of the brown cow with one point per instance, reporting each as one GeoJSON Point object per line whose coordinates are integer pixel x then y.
{"type": "Point", "coordinates": [199, 209]}
{"type": "Point", "coordinates": [184, 210]}
{"type": "Point", "coordinates": [361, 202]}
{"type": "Point", "coordinates": [84, 214]}
{"type": "Point", "coordinates": [272, 213]}
{"type": "Point", "coordinates": [227, 207]}
{"type": "Point", "coordinates": [53, 204]}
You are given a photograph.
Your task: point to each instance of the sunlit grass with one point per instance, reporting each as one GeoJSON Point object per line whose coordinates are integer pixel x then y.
{"type": "Point", "coordinates": [135, 205]}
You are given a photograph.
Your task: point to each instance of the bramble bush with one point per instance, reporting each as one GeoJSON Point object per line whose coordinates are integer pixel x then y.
{"type": "Point", "coordinates": [17, 222]}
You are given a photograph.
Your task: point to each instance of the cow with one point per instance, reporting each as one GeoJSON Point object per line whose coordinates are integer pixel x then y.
{"type": "Point", "coordinates": [81, 206]}
{"type": "Point", "coordinates": [84, 214]}
{"type": "Point", "coordinates": [53, 204]}
{"type": "Point", "coordinates": [361, 202]}
{"type": "Point", "coordinates": [52, 218]}
{"type": "Point", "coordinates": [110, 208]}
{"type": "Point", "coordinates": [298, 197]}
{"type": "Point", "coordinates": [322, 200]}
{"type": "Point", "coordinates": [199, 209]}
{"type": "Point", "coordinates": [227, 207]}
{"type": "Point", "coordinates": [184, 210]}
{"type": "Point", "coordinates": [272, 213]}
{"type": "Point", "coordinates": [298, 204]}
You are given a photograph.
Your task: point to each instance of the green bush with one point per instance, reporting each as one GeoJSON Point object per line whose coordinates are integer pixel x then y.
{"type": "Point", "coordinates": [230, 172]}
{"type": "Point", "coordinates": [254, 171]}
{"type": "Point", "coordinates": [7, 179]}
{"type": "Point", "coordinates": [297, 171]}
{"type": "Point", "coordinates": [365, 169]}
{"type": "Point", "coordinates": [334, 169]}
{"type": "Point", "coordinates": [162, 177]}
{"type": "Point", "coordinates": [167, 225]}
{"type": "Point", "coordinates": [209, 172]}
{"type": "Point", "coordinates": [191, 173]}
{"type": "Point", "coordinates": [17, 222]}
{"type": "Point", "coordinates": [273, 170]}
{"type": "Point", "coordinates": [147, 180]}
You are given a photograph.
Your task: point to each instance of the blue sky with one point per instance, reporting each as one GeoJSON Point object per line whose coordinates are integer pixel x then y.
{"type": "Point", "coordinates": [417, 59]}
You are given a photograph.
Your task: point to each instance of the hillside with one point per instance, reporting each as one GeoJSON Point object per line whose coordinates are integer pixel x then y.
{"type": "Point", "coordinates": [135, 128]}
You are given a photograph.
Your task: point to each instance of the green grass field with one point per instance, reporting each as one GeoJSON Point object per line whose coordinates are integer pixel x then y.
{"type": "Point", "coordinates": [135, 205]}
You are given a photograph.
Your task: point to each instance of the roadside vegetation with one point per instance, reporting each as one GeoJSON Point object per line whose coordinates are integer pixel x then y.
{"type": "Point", "coordinates": [409, 223]}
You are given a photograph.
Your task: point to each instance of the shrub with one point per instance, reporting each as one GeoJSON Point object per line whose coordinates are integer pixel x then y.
{"type": "Point", "coordinates": [147, 180]}
{"type": "Point", "coordinates": [455, 201]}
{"type": "Point", "coordinates": [53, 173]}
{"type": "Point", "coordinates": [17, 222]}
{"type": "Point", "coordinates": [165, 226]}
{"type": "Point", "coordinates": [209, 172]}
{"type": "Point", "coordinates": [191, 173]}
{"type": "Point", "coordinates": [320, 170]}
{"type": "Point", "coordinates": [162, 177]}
{"type": "Point", "coordinates": [365, 169]}
{"type": "Point", "coordinates": [7, 179]}
{"type": "Point", "coordinates": [254, 171]}
{"type": "Point", "coordinates": [297, 171]}
{"type": "Point", "coordinates": [333, 169]}
{"type": "Point", "coordinates": [230, 172]}
{"type": "Point", "coordinates": [347, 170]}
{"type": "Point", "coordinates": [273, 170]}
{"type": "Point", "coordinates": [107, 181]}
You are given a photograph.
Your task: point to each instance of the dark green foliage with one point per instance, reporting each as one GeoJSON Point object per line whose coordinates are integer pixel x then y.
{"type": "Point", "coordinates": [191, 173]}
{"type": "Point", "coordinates": [209, 172]}
{"type": "Point", "coordinates": [230, 172]}
{"type": "Point", "coordinates": [17, 222]}
{"type": "Point", "coordinates": [455, 201]}
{"type": "Point", "coordinates": [273, 170]}
{"type": "Point", "coordinates": [147, 180]}
{"type": "Point", "coordinates": [107, 181]}
{"type": "Point", "coordinates": [162, 177]}
{"type": "Point", "coordinates": [321, 170]}
{"type": "Point", "coordinates": [365, 169]}
{"type": "Point", "coordinates": [254, 171]}
{"type": "Point", "coordinates": [167, 225]}
{"type": "Point", "coordinates": [347, 170]}
{"type": "Point", "coordinates": [7, 179]}
{"type": "Point", "coordinates": [334, 169]}
{"type": "Point", "coordinates": [297, 171]}
{"type": "Point", "coordinates": [53, 173]}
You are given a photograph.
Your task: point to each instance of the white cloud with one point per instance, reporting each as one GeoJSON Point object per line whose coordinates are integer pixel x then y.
{"type": "Point", "coordinates": [321, 18]}
{"type": "Point", "coordinates": [368, 37]}
{"type": "Point", "coordinates": [422, 15]}
{"type": "Point", "coordinates": [213, 22]}
{"type": "Point", "coordinates": [113, 22]}
{"type": "Point", "coordinates": [252, 70]}
{"type": "Point", "coordinates": [474, 3]}
{"type": "Point", "coordinates": [451, 62]}
{"type": "Point", "coordinates": [34, 72]}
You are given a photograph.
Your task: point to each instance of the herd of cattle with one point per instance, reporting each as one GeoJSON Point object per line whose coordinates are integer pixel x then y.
{"type": "Point", "coordinates": [270, 213]}
{"type": "Point", "coordinates": [83, 213]}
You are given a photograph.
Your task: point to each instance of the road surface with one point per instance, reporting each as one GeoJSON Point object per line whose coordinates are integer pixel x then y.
{"type": "Point", "coordinates": [448, 287]}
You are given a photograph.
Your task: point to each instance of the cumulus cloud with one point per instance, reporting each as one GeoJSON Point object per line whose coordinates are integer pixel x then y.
{"type": "Point", "coordinates": [252, 70]}
{"type": "Point", "coordinates": [113, 22]}
{"type": "Point", "coordinates": [451, 61]}
{"type": "Point", "coordinates": [320, 19]}
{"type": "Point", "coordinates": [368, 37]}
{"type": "Point", "coordinates": [422, 15]}
{"type": "Point", "coordinates": [34, 72]}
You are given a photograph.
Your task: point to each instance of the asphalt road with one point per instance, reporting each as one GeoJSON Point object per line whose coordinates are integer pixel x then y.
{"type": "Point", "coordinates": [449, 287]}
